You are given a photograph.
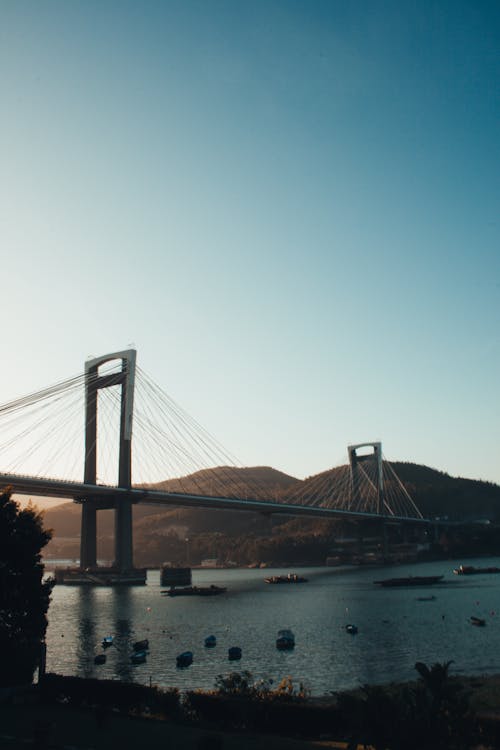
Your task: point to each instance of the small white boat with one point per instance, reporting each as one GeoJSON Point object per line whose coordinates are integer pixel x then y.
{"type": "Point", "coordinates": [352, 629]}
{"type": "Point", "coordinates": [285, 639]}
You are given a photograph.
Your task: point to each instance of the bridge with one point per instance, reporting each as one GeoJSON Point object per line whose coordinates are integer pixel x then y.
{"type": "Point", "coordinates": [43, 447]}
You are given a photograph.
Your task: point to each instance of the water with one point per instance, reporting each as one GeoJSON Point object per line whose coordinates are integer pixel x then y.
{"type": "Point", "coordinates": [395, 629]}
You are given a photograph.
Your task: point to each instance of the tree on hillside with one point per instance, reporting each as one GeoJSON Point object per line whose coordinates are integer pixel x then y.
{"type": "Point", "coordinates": [24, 597]}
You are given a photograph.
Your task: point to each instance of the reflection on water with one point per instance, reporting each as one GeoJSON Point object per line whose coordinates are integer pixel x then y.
{"type": "Point", "coordinates": [396, 628]}
{"type": "Point", "coordinates": [86, 632]}
{"type": "Point", "coordinates": [122, 644]}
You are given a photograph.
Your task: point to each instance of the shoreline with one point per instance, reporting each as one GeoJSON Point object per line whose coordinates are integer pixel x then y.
{"type": "Point", "coordinates": [30, 717]}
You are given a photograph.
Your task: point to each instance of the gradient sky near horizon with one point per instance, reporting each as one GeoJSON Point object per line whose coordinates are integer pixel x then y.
{"type": "Point", "coordinates": [290, 208]}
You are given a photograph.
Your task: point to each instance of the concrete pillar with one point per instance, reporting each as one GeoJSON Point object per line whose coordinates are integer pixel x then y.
{"type": "Point", "coordinates": [123, 536]}
{"type": "Point", "coordinates": [385, 540]}
{"type": "Point", "coordinates": [88, 537]}
{"type": "Point", "coordinates": [354, 460]}
{"type": "Point", "coordinates": [123, 508]}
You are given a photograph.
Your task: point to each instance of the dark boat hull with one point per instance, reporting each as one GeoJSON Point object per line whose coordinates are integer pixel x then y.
{"type": "Point", "coordinates": [291, 578]}
{"type": "Point", "coordinates": [409, 581]}
{"type": "Point", "coordinates": [470, 570]}
{"type": "Point", "coordinates": [196, 591]}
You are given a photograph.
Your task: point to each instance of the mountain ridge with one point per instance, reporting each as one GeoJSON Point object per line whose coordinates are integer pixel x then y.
{"type": "Point", "coordinates": [435, 493]}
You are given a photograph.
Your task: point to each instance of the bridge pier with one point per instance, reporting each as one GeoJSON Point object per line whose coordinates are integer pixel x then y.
{"type": "Point", "coordinates": [88, 537]}
{"type": "Point", "coordinates": [123, 566]}
{"type": "Point", "coordinates": [123, 536]}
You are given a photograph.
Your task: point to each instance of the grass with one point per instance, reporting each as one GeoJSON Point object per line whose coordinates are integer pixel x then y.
{"type": "Point", "coordinates": [64, 727]}
{"type": "Point", "coordinates": [85, 729]}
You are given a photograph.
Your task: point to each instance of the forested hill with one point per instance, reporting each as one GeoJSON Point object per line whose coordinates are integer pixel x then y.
{"type": "Point", "coordinates": [438, 494]}
{"type": "Point", "coordinates": [257, 481]}
{"type": "Point", "coordinates": [435, 493]}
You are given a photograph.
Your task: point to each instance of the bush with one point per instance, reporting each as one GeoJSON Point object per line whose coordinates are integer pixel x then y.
{"type": "Point", "coordinates": [127, 698]}
{"type": "Point", "coordinates": [434, 714]}
{"type": "Point", "coordinates": [239, 702]}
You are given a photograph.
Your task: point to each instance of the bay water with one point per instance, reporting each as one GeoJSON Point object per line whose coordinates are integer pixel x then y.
{"type": "Point", "coordinates": [396, 627]}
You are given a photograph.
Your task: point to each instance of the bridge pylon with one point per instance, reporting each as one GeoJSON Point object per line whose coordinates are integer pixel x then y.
{"type": "Point", "coordinates": [355, 462]}
{"type": "Point", "coordinates": [94, 382]}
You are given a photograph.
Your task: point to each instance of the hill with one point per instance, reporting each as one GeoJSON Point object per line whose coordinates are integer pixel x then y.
{"type": "Point", "coordinates": [253, 481]}
{"type": "Point", "coordinates": [179, 533]}
{"type": "Point", "coordinates": [439, 494]}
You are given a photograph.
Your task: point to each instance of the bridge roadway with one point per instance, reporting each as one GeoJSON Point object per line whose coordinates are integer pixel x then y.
{"type": "Point", "coordinates": [107, 495]}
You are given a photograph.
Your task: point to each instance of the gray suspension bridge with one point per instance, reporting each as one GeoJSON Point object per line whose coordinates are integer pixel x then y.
{"type": "Point", "coordinates": [365, 491]}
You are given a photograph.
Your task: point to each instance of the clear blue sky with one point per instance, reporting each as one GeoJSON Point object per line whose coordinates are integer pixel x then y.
{"type": "Point", "coordinates": [289, 207]}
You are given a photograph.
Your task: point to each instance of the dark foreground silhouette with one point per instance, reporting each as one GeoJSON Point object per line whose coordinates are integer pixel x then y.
{"type": "Point", "coordinates": [436, 712]}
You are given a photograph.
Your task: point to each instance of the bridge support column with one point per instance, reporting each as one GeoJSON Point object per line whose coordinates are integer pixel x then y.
{"type": "Point", "coordinates": [385, 540]}
{"type": "Point", "coordinates": [355, 461]}
{"type": "Point", "coordinates": [125, 378]}
{"type": "Point", "coordinates": [88, 538]}
{"type": "Point", "coordinates": [123, 536]}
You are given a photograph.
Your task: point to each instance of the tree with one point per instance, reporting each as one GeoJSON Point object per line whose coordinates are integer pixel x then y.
{"type": "Point", "coordinates": [434, 713]}
{"type": "Point", "coordinates": [24, 596]}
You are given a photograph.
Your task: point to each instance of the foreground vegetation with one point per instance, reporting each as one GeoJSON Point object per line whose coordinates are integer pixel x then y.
{"type": "Point", "coordinates": [24, 597]}
{"type": "Point", "coordinates": [437, 712]}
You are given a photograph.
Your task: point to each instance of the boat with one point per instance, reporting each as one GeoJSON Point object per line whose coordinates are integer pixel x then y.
{"type": "Point", "coordinates": [426, 598]}
{"type": "Point", "coordinates": [290, 578]}
{"type": "Point", "coordinates": [195, 591]}
{"type": "Point", "coordinates": [210, 641]}
{"type": "Point", "coordinates": [107, 641]}
{"type": "Point", "coordinates": [478, 621]}
{"type": "Point", "coordinates": [409, 581]}
{"type": "Point", "coordinates": [234, 653]}
{"type": "Point", "coordinates": [184, 659]}
{"type": "Point", "coordinates": [211, 590]}
{"type": "Point", "coordinates": [285, 640]}
{"type": "Point", "coordinates": [470, 570]}
{"type": "Point", "coordinates": [100, 659]}
{"type": "Point", "coordinates": [352, 629]}
{"type": "Point", "coordinates": [141, 645]}
{"type": "Point", "coordinates": [138, 657]}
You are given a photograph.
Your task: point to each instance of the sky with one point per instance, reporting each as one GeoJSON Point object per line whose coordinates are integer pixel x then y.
{"type": "Point", "coordinates": [289, 208]}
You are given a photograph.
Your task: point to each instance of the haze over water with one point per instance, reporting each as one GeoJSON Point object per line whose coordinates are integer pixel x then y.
{"type": "Point", "coordinates": [395, 628]}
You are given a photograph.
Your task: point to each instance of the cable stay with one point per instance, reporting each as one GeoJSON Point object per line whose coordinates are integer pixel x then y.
{"type": "Point", "coordinates": [42, 435]}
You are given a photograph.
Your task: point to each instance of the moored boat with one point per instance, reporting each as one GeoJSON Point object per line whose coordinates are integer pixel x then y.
{"type": "Point", "coordinates": [409, 581]}
{"type": "Point", "coordinates": [234, 653]}
{"type": "Point", "coordinates": [138, 657]}
{"type": "Point", "coordinates": [478, 621]}
{"type": "Point", "coordinates": [352, 629]}
{"type": "Point", "coordinates": [290, 578]}
{"type": "Point", "coordinates": [285, 640]}
{"type": "Point", "coordinates": [195, 591]}
{"type": "Point", "coordinates": [210, 641]}
{"type": "Point", "coordinates": [470, 570]}
{"type": "Point", "coordinates": [184, 659]}
{"type": "Point", "coordinates": [107, 641]}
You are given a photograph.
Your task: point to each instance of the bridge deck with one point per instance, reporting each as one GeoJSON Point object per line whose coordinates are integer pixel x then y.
{"type": "Point", "coordinates": [109, 495]}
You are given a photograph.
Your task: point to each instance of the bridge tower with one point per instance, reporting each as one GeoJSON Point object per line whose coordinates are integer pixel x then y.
{"type": "Point", "coordinates": [355, 460]}
{"type": "Point", "coordinates": [90, 505]}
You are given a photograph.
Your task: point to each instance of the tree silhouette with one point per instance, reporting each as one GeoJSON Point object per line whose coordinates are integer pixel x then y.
{"type": "Point", "coordinates": [24, 596]}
